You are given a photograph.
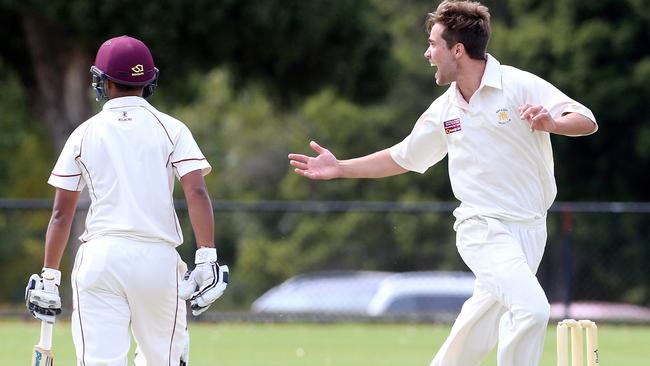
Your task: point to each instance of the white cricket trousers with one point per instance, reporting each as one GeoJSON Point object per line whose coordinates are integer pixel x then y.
{"type": "Point", "coordinates": [120, 284]}
{"type": "Point", "coordinates": [508, 303]}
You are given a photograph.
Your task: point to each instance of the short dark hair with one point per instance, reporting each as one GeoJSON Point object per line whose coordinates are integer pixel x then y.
{"type": "Point", "coordinates": [127, 88]}
{"type": "Point", "coordinates": [465, 22]}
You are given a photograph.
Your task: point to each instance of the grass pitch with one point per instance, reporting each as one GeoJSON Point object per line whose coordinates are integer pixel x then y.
{"type": "Point", "coordinates": [250, 344]}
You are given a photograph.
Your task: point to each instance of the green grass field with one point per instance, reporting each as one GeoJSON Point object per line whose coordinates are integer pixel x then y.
{"type": "Point", "coordinates": [250, 344]}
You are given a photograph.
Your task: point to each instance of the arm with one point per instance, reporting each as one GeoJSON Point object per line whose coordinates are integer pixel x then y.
{"type": "Point", "coordinates": [199, 208]}
{"type": "Point", "coordinates": [326, 166]}
{"type": "Point", "coordinates": [207, 282]}
{"type": "Point", "coordinates": [574, 124]}
{"type": "Point", "coordinates": [58, 230]}
{"type": "Point", "coordinates": [569, 124]}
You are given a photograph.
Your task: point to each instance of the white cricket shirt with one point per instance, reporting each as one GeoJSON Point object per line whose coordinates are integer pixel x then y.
{"type": "Point", "coordinates": [497, 166]}
{"type": "Point", "coordinates": [127, 156]}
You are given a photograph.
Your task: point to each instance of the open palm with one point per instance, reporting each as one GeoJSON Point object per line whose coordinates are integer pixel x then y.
{"type": "Point", "coordinates": [322, 167]}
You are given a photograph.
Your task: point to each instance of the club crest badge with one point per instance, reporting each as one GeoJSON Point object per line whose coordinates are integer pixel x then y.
{"type": "Point", "coordinates": [451, 126]}
{"type": "Point", "coordinates": [502, 116]}
{"type": "Point", "coordinates": [138, 70]}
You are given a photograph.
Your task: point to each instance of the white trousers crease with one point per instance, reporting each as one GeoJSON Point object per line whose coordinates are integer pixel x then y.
{"type": "Point", "coordinates": [508, 304]}
{"type": "Point", "coordinates": [121, 285]}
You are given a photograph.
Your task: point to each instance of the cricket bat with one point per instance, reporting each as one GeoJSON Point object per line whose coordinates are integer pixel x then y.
{"type": "Point", "coordinates": [42, 355]}
{"type": "Point", "coordinates": [43, 350]}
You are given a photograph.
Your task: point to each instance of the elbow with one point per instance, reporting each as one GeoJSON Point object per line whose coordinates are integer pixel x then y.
{"type": "Point", "coordinates": [589, 127]}
{"type": "Point", "coordinates": [198, 192]}
{"type": "Point", "coordinates": [61, 217]}
{"type": "Point", "coordinates": [594, 127]}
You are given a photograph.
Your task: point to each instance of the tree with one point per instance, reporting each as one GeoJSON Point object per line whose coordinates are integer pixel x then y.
{"type": "Point", "coordinates": [288, 48]}
{"type": "Point", "coordinates": [283, 44]}
{"type": "Point", "coordinates": [596, 52]}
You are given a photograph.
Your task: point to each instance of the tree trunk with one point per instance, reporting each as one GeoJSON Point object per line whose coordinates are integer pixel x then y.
{"type": "Point", "coordinates": [61, 94]}
{"type": "Point", "coordinates": [61, 69]}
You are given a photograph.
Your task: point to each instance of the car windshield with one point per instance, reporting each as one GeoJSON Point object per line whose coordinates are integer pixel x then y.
{"type": "Point", "coordinates": [339, 293]}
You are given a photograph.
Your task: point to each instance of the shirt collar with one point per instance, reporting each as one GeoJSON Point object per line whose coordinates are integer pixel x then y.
{"type": "Point", "coordinates": [125, 102]}
{"type": "Point", "coordinates": [492, 73]}
{"type": "Point", "coordinates": [491, 77]}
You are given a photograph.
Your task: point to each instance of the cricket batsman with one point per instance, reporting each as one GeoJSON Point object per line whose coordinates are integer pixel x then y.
{"type": "Point", "coordinates": [127, 273]}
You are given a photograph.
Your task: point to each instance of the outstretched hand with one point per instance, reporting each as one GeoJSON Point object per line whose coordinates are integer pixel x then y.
{"type": "Point", "coordinates": [322, 167]}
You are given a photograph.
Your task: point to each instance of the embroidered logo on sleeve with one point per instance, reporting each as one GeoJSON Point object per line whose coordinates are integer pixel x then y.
{"type": "Point", "coordinates": [451, 126]}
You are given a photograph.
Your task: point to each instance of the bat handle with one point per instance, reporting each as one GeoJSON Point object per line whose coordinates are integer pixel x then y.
{"type": "Point", "coordinates": [46, 335]}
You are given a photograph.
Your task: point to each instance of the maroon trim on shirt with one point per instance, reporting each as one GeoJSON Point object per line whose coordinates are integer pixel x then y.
{"type": "Point", "coordinates": [169, 158]}
{"type": "Point", "coordinates": [91, 188]}
{"type": "Point", "coordinates": [183, 160]}
{"type": "Point", "coordinates": [81, 142]}
{"type": "Point", "coordinates": [161, 124]}
{"type": "Point", "coordinates": [65, 175]}
{"type": "Point", "coordinates": [78, 158]}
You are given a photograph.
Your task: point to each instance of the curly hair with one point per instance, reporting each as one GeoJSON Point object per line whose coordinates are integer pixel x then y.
{"type": "Point", "coordinates": [465, 22]}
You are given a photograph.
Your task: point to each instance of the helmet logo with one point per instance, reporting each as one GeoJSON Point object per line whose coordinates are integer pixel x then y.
{"type": "Point", "coordinates": [137, 70]}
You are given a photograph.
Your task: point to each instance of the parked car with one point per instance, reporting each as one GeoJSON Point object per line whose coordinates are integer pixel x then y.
{"type": "Point", "coordinates": [369, 293]}
{"type": "Point", "coordinates": [335, 292]}
{"type": "Point", "coordinates": [422, 292]}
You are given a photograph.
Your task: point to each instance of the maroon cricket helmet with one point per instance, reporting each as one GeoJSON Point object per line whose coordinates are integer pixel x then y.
{"type": "Point", "coordinates": [126, 60]}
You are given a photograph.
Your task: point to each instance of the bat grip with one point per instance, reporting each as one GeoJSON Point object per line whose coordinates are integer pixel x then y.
{"type": "Point", "coordinates": [46, 336]}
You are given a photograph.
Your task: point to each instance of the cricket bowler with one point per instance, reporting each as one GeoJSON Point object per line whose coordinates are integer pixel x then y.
{"type": "Point", "coordinates": [494, 124]}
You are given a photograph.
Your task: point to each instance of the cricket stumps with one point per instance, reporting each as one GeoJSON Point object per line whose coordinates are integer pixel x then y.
{"type": "Point", "coordinates": [575, 347]}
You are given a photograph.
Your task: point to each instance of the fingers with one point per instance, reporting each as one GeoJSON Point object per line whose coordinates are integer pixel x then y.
{"type": "Point", "coordinates": [204, 297]}
{"type": "Point", "coordinates": [188, 286]}
{"type": "Point", "coordinates": [316, 147]}
{"type": "Point", "coordinates": [537, 116]}
{"type": "Point", "coordinates": [305, 173]}
{"type": "Point", "coordinates": [543, 114]}
{"type": "Point", "coordinates": [298, 164]}
{"type": "Point", "coordinates": [528, 112]}
{"type": "Point", "coordinates": [311, 167]}
{"type": "Point", "coordinates": [301, 162]}
{"type": "Point", "coordinates": [299, 158]}
{"type": "Point", "coordinates": [301, 165]}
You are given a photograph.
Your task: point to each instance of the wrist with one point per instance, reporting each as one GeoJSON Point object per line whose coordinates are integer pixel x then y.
{"type": "Point", "coordinates": [51, 274]}
{"type": "Point", "coordinates": [341, 171]}
{"type": "Point", "coordinates": [205, 254]}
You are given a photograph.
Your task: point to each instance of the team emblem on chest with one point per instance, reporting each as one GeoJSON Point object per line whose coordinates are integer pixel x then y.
{"type": "Point", "coordinates": [502, 116]}
{"type": "Point", "coordinates": [451, 126]}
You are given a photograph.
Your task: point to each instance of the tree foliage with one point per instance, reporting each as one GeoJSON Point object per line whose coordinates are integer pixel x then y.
{"type": "Point", "coordinates": [257, 79]}
{"type": "Point", "coordinates": [292, 47]}
{"type": "Point", "coordinates": [596, 52]}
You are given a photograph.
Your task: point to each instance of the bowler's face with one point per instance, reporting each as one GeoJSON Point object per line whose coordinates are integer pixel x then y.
{"type": "Point", "coordinates": [440, 56]}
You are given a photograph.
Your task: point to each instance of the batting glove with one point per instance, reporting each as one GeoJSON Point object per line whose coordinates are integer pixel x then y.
{"type": "Point", "coordinates": [42, 295]}
{"type": "Point", "coordinates": [205, 283]}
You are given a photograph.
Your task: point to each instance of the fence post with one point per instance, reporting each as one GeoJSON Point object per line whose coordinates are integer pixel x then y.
{"type": "Point", "coordinates": [567, 257]}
